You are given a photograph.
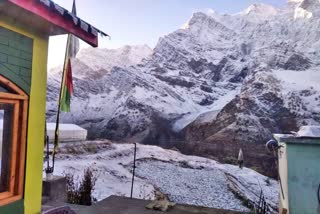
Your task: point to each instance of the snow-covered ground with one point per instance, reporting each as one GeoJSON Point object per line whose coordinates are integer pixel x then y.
{"type": "Point", "coordinates": [196, 186]}
{"type": "Point", "coordinates": [185, 179]}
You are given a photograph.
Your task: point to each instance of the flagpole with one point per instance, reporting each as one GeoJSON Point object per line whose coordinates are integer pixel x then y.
{"type": "Point", "coordinates": [56, 132]}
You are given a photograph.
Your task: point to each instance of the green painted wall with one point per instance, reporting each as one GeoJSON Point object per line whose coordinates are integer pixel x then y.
{"type": "Point", "coordinates": [13, 208]}
{"type": "Point", "coordinates": [303, 177]}
{"type": "Point", "coordinates": [16, 65]}
{"type": "Point", "coordinates": [16, 58]}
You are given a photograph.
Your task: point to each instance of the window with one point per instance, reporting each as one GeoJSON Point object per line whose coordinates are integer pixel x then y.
{"type": "Point", "coordinates": [13, 123]}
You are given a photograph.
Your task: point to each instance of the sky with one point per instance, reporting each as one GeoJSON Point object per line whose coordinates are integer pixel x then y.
{"type": "Point", "coordinates": [138, 22]}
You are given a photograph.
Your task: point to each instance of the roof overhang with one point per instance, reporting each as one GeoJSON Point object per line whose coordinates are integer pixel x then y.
{"type": "Point", "coordinates": [48, 17]}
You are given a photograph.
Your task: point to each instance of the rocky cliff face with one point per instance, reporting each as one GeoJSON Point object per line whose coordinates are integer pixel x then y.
{"type": "Point", "coordinates": [223, 80]}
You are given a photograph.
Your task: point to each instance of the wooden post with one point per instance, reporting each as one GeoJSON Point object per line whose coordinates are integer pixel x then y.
{"type": "Point", "coordinates": [134, 168]}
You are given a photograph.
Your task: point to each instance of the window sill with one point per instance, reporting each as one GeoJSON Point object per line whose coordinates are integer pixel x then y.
{"type": "Point", "coordinates": [9, 200]}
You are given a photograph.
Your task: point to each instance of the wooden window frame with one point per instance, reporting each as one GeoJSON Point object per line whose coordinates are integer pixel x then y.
{"type": "Point", "coordinates": [19, 99]}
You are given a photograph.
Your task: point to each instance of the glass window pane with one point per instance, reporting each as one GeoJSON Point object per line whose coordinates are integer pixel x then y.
{"type": "Point", "coordinates": [2, 89]}
{"type": "Point", "coordinates": [6, 122]}
{"type": "Point", "coordinates": [5, 89]}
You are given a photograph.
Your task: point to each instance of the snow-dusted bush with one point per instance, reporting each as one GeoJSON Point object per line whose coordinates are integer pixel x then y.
{"type": "Point", "coordinates": [81, 193]}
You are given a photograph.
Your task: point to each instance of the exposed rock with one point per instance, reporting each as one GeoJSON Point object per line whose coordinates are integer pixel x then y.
{"type": "Point", "coordinates": [297, 62]}
{"type": "Point", "coordinates": [176, 81]}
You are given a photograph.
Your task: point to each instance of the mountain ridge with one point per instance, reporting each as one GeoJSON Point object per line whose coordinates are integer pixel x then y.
{"type": "Point", "coordinates": [228, 68]}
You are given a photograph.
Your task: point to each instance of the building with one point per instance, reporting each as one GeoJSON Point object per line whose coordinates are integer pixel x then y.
{"type": "Point", "coordinates": [25, 27]}
{"type": "Point", "coordinates": [67, 133]}
{"type": "Point", "coordinates": [299, 173]}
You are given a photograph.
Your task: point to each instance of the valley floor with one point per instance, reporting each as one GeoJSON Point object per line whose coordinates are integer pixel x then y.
{"type": "Point", "coordinates": [185, 179]}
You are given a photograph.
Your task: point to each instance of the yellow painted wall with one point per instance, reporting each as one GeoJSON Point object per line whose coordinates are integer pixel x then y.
{"type": "Point", "coordinates": [36, 117]}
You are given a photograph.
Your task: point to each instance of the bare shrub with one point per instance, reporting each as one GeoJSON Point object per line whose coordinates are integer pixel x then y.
{"type": "Point", "coordinates": [81, 192]}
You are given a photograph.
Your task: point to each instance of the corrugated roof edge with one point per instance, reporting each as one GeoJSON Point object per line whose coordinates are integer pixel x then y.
{"type": "Point", "coordinates": [76, 20]}
{"type": "Point", "coordinates": [62, 18]}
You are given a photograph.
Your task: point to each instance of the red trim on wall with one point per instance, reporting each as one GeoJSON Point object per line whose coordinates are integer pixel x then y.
{"type": "Point", "coordinates": [57, 20]}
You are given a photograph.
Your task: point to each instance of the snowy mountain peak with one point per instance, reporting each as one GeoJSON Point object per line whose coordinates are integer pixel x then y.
{"type": "Point", "coordinates": [260, 11]}
{"type": "Point", "coordinates": [203, 23]}
{"type": "Point", "coordinates": [310, 4]}
{"type": "Point", "coordinates": [198, 18]}
{"type": "Point", "coordinates": [211, 12]}
{"type": "Point", "coordinates": [307, 9]}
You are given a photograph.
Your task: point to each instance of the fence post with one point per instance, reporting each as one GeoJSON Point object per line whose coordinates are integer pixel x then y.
{"type": "Point", "coordinates": [134, 168]}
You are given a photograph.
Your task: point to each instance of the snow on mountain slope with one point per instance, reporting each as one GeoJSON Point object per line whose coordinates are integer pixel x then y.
{"type": "Point", "coordinates": [185, 179]}
{"type": "Point", "coordinates": [236, 69]}
{"type": "Point", "coordinates": [216, 106]}
{"type": "Point", "coordinates": [97, 62]}
{"type": "Point", "coordinates": [301, 91]}
{"type": "Point", "coordinates": [106, 59]}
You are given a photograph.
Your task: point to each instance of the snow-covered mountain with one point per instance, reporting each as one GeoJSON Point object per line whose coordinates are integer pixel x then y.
{"type": "Point", "coordinates": [222, 80]}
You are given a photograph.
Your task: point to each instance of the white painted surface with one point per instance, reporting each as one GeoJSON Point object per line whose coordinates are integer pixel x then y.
{"type": "Point", "coordinates": [309, 131]}
{"type": "Point", "coordinates": [67, 132]}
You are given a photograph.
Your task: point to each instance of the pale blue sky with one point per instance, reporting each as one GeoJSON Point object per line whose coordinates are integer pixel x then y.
{"type": "Point", "coordinates": [142, 21]}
